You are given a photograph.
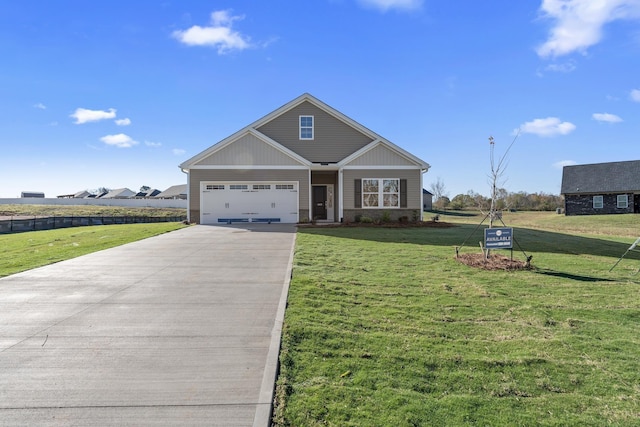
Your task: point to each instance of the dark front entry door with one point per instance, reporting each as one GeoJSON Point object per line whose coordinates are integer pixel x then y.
{"type": "Point", "coordinates": [636, 203]}
{"type": "Point", "coordinates": [319, 202]}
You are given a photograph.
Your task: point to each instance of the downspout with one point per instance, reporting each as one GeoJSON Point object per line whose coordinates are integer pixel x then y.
{"type": "Point", "coordinates": [186, 171]}
{"type": "Point", "coordinates": [422, 172]}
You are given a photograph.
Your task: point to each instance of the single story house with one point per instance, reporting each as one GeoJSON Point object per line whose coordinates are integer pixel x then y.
{"type": "Point", "coordinates": [304, 161]}
{"type": "Point", "coordinates": [601, 188]}
{"type": "Point", "coordinates": [32, 195]}
{"type": "Point", "coordinates": [174, 192]}
{"type": "Point", "coordinates": [120, 193]}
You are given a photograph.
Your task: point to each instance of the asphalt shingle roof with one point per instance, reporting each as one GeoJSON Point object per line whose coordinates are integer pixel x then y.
{"type": "Point", "coordinates": [613, 177]}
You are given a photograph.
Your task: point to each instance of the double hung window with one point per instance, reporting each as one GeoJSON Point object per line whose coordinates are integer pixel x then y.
{"type": "Point", "coordinates": [306, 127]}
{"type": "Point", "coordinates": [380, 193]}
{"type": "Point", "coordinates": [598, 202]}
{"type": "Point", "coordinates": [623, 201]}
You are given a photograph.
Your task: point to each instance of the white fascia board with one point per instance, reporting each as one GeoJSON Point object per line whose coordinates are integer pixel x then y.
{"type": "Point", "coordinates": [284, 150]}
{"type": "Point", "coordinates": [378, 167]}
{"type": "Point", "coordinates": [190, 164]}
{"type": "Point", "coordinates": [381, 141]}
{"type": "Point", "coordinates": [249, 167]}
{"type": "Point", "coordinates": [321, 105]}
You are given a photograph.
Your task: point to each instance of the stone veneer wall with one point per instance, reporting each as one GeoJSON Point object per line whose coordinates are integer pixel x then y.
{"type": "Point", "coordinates": [583, 204]}
{"type": "Point", "coordinates": [377, 214]}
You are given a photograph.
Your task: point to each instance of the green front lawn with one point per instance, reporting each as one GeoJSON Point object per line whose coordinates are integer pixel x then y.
{"type": "Point", "coordinates": [385, 328]}
{"type": "Point", "coordinates": [24, 251]}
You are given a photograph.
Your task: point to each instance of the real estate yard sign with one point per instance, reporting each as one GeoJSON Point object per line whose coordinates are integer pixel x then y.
{"type": "Point", "coordinates": [498, 238]}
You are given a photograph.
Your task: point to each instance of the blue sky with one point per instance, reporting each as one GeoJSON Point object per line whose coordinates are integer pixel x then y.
{"type": "Point", "coordinates": [118, 94]}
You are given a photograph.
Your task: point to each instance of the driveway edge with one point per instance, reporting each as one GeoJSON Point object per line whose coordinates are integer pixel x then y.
{"type": "Point", "coordinates": [264, 408]}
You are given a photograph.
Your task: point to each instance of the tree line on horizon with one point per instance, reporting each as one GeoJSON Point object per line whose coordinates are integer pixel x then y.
{"type": "Point", "coordinates": [505, 200]}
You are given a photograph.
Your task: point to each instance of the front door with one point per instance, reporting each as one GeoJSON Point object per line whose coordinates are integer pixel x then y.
{"type": "Point", "coordinates": [319, 201]}
{"type": "Point", "coordinates": [636, 203]}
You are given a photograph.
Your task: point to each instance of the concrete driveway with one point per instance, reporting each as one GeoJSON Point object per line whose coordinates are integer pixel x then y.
{"type": "Point", "coordinates": [180, 329]}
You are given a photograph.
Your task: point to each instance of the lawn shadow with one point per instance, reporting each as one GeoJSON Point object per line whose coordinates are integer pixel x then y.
{"type": "Point", "coordinates": [527, 240]}
{"type": "Point", "coordinates": [570, 276]}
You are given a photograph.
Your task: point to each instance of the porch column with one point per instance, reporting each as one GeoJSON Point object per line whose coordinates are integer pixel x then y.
{"type": "Point", "coordinates": [340, 196]}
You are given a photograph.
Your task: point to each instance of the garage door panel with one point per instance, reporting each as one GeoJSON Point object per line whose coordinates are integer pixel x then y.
{"type": "Point", "coordinates": [249, 202]}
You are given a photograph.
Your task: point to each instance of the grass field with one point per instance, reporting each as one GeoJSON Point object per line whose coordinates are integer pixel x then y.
{"type": "Point", "coordinates": [86, 210]}
{"type": "Point", "coordinates": [24, 251]}
{"type": "Point", "coordinates": [385, 328]}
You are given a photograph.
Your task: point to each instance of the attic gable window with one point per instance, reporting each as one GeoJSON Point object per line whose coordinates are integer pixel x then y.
{"type": "Point", "coordinates": [306, 127]}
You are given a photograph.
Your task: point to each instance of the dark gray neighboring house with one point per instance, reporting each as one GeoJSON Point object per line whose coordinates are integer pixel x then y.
{"type": "Point", "coordinates": [601, 188]}
{"type": "Point", "coordinates": [427, 200]}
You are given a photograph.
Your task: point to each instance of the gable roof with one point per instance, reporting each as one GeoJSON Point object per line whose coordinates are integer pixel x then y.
{"type": "Point", "coordinates": [175, 191]}
{"type": "Point", "coordinates": [613, 177]}
{"type": "Point", "coordinates": [306, 97]}
{"type": "Point", "coordinates": [118, 193]}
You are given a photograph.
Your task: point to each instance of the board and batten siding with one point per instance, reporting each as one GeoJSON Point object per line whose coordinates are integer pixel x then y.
{"type": "Point", "coordinates": [246, 151]}
{"type": "Point", "coordinates": [333, 140]}
{"type": "Point", "coordinates": [411, 175]}
{"type": "Point", "coordinates": [197, 176]}
{"type": "Point", "coordinates": [382, 156]}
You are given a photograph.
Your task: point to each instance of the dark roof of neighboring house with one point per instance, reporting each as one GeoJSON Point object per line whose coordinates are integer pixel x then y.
{"type": "Point", "coordinates": [610, 177]}
{"type": "Point", "coordinates": [425, 191]}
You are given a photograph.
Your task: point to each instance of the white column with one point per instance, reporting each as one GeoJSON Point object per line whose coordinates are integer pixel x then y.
{"type": "Point", "coordinates": [340, 196]}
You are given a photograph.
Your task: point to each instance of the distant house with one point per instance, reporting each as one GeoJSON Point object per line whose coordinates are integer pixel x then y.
{"type": "Point", "coordinates": [120, 193]}
{"type": "Point", "coordinates": [79, 195]}
{"type": "Point", "coordinates": [174, 192]}
{"type": "Point", "coordinates": [32, 195]}
{"type": "Point", "coordinates": [601, 188]}
{"type": "Point", "coordinates": [152, 192]}
{"type": "Point", "coordinates": [427, 200]}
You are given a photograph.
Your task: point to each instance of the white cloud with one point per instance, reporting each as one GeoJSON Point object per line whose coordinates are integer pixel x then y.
{"type": "Point", "coordinates": [123, 122]}
{"type": "Point", "coordinates": [578, 24]}
{"type": "Point", "coordinates": [153, 144]}
{"type": "Point", "coordinates": [385, 5]}
{"type": "Point", "coordinates": [40, 106]}
{"type": "Point", "coordinates": [219, 34]}
{"type": "Point", "coordinates": [550, 126]}
{"type": "Point", "coordinates": [120, 140]}
{"type": "Point", "coordinates": [567, 67]}
{"type": "Point", "coordinates": [82, 115]}
{"type": "Point", "coordinates": [178, 151]}
{"type": "Point", "coordinates": [563, 163]}
{"type": "Point", "coordinates": [606, 117]}
{"type": "Point", "coordinates": [635, 95]}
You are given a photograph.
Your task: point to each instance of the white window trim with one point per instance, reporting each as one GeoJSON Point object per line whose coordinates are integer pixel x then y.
{"type": "Point", "coordinates": [300, 127]}
{"type": "Point", "coordinates": [601, 202]}
{"type": "Point", "coordinates": [625, 203]}
{"type": "Point", "coordinates": [381, 193]}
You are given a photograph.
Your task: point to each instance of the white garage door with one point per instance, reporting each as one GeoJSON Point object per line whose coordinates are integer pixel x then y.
{"type": "Point", "coordinates": [233, 202]}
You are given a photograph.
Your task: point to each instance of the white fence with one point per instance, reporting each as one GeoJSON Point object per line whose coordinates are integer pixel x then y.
{"type": "Point", "coordinates": [132, 203]}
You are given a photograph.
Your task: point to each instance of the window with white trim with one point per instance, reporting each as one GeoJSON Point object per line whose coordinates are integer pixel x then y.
{"type": "Point", "coordinates": [623, 201]}
{"type": "Point", "coordinates": [261, 187]}
{"type": "Point", "coordinates": [238, 187]}
{"type": "Point", "coordinates": [284, 186]}
{"type": "Point", "coordinates": [215, 187]}
{"type": "Point", "coordinates": [380, 193]}
{"type": "Point", "coordinates": [598, 202]}
{"type": "Point", "coordinates": [306, 127]}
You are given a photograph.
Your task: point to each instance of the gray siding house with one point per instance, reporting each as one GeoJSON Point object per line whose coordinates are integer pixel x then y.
{"type": "Point", "coordinates": [304, 161]}
{"type": "Point", "coordinates": [601, 188]}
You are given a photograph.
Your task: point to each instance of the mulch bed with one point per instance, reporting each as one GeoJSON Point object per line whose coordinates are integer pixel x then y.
{"type": "Point", "coordinates": [432, 224]}
{"type": "Point", "coordinates": [494, 262]}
